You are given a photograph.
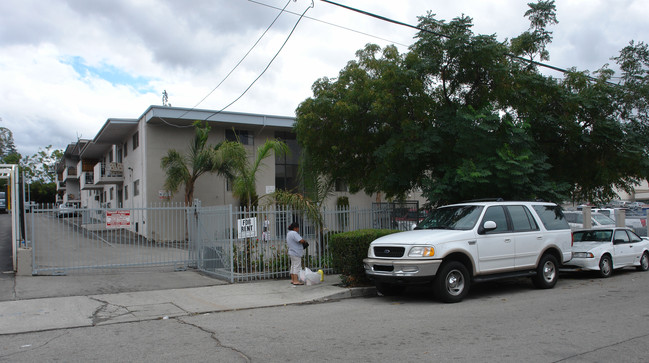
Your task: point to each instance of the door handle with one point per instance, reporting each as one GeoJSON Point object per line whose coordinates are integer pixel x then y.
{"type": "Point", "coordinates": [539, 237]}
{"type": "Point", "coordinates": [507, 240]}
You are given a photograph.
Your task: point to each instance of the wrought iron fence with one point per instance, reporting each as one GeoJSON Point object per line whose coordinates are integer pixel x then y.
{"type": "Point", "coordinates": [230, 244]}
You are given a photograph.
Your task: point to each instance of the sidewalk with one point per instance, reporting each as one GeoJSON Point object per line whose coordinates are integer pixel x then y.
{"type": "Point", "coordinates": [19, 316]}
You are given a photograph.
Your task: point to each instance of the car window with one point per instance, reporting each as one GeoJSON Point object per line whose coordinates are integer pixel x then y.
{"type": "Point", "coordinates": [593, 236]}
{"type": "Point", "coordinates": [602, 219]}
{"type": "Point", "coordinates": [522, 219]}
{"type": "Point", "coordinates": [496, 214]}
{"type": "Point", "coordinates": [551, 217]}
{"type": "Point", "coordinates": [634, 237]}
{"type": "Point", "coordinates": [621, 236]}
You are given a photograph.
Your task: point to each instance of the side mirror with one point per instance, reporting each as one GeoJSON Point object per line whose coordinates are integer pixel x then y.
{"type": "Point", "coordinates": [489, 226]}
{"type": "Point", "coordinates": [618, 241]}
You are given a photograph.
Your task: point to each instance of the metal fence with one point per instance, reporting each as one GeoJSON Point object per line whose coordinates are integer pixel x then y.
{"type": "Point", "coordinates": [230, 244]}
{"type": "Point", "coordinates": [242, 245]}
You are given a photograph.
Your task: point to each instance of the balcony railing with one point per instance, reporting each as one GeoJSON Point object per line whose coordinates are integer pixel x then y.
{"type": "Point", "coordinates": [111, 173]}
{"type": "Point", "coordinates": [70, 173]}
{"type": "Point", "coordinates": [87, 181]}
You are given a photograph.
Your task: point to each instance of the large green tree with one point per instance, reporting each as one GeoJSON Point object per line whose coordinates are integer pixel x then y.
{"type": "Point", "coordinates": [464, 116]}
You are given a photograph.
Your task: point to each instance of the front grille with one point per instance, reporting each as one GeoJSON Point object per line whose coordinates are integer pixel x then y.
{"type": "Point", "coordinates": [381, 251]}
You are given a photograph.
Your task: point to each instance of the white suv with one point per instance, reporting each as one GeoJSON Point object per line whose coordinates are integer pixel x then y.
{"type": "Point", "coordinates": [459, 244]}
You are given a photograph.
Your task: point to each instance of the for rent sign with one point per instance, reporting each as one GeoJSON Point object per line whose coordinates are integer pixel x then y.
{"type": "Point", "coordinates": [118, 218]}
{"type": "Point", "coordinates": [247, 227]}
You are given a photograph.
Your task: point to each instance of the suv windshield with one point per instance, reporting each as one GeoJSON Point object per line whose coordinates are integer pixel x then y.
{"type": "Point", "coordinates": [462, 217]}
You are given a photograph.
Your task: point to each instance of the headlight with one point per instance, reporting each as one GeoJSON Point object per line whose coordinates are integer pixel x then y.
{"type": "Point", "coordinates": [582, 255]}
{"type": "Point", "coordinates": [369, 252]}
{"type": "Point", "coordinates": [421, 252]}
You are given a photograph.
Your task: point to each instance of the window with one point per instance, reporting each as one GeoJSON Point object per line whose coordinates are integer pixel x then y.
{"type": "Point", "coordinates": [125, 192]}
{"type": "Point", "coordinates": [496, 214]}
{"type": "Point", "coordinates": [522, 219]}
{"type": "Point", "coordinates": [125, 148]}
{"type": "Point", "coordinates": [341, 186]}
{"type": "Point", "coordinates": [111, 193]}
{"type": "Point", "coordinates": [136, 140]}
{"type": "Point", "coordinates": [241, 136]}
{"type": "Point", "coordinates": [621, 237]}
{"type": "Point", "coordinates": [552, 217]}
{"type": "Point", "coordinates": [136, 188]}
{"type": "Point", "coordinates": [286, 166]}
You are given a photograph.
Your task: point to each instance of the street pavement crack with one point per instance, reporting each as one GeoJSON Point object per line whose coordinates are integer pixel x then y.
{"type": "Point", "coordinates": [33, 347]}
{"type": "Point", "coordinates": [600, 348]}
{"type": "Point", "coordinates": [213, 336]}
{"type": "Point", "coordinates": [97, 317]}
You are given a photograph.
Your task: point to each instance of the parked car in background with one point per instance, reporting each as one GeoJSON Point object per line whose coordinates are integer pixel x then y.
{"type": "Point", "coordinates": [576, 219]}
{"type": "Point", "coordinates": [631, 220]}
{"type": "Point", "coordinates": [66, 210]}
{"type": "Point", "coordinates": [608, 249]}
{"type": "Point", "coordinates": [458, 245]}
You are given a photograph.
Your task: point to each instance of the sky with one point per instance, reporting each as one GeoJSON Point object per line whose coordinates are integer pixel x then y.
{"type": "Point", "coordinates": [66, 66]}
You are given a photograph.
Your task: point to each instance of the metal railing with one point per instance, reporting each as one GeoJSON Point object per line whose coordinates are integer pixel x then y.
{"type": "Point", "coordinates": [230, 244]}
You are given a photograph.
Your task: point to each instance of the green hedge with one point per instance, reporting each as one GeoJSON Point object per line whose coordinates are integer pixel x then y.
{"type": "Point", "coordinates": [348, 251]}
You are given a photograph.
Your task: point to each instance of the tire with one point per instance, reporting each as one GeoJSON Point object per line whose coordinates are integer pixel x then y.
{"type": "Point", "coordinates": [452, 282]}
{"type": "Point", "coordinates": [605, 266]}
{"type": "Point", "coordinates": [546, 273]}
{"type": "Point", "coordinates": [644, 262]}
{"type": "Point", "coordinates": [387, 289]}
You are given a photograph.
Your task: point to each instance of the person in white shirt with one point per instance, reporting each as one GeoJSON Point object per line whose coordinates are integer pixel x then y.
{"type": "Point", "coordinates": [295, 244]}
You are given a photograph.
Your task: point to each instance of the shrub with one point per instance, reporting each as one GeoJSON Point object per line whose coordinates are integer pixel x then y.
{"type": "Point", "coordinates": [348, 251]}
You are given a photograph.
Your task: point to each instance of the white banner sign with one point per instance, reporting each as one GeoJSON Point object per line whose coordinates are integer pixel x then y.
{"type": "Point", "coordinates": [247, 227]}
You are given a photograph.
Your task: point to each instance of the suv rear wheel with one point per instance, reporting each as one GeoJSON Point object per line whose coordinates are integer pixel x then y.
{"type": "Point", "coordinates": [452, 282]}
{"type": "Point", "coordinates": [546, 273]}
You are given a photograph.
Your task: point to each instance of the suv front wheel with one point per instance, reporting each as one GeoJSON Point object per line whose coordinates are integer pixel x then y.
{"type": "Point", "coordinates": [547, 272]}
{"type": "Point", "coordinates": [452, 282]}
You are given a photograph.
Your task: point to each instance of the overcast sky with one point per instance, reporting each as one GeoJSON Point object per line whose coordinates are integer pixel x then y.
{"type": "Point", "coordinates": [66, 66]}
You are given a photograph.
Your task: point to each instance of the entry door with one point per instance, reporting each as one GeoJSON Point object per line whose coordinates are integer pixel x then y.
{"type": "Point", "coordinates": [624, 252]}
{"type": "Point", "coordinates": [496, 248]}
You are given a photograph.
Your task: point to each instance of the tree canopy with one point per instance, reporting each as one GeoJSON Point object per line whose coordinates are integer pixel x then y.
{"type": "Point", "coordinates": [464, 116]}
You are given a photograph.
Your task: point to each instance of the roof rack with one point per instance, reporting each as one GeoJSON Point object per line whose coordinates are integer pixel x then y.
{"type": "Point", "coordinates": [484, 200]}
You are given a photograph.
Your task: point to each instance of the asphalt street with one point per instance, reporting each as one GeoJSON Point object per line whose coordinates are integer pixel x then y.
{"type": "Point", "coordinates": [583, 319]}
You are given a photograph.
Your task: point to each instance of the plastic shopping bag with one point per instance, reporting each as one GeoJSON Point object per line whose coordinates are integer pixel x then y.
{"type": "Point", "coordinates": [311, 277]}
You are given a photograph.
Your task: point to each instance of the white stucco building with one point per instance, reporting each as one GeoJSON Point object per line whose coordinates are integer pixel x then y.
{"type": "Point", "coordinates": [120, 166]}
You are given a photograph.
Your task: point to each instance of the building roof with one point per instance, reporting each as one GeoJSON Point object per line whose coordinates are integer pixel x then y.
{"type": "Point", "coordinates": [114, 131]}
{"type": "Point", "coordinates": [183, 117]}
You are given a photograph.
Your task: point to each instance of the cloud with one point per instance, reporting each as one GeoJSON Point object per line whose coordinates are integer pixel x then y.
{"type": "Point", "coordinates": [64, 73]}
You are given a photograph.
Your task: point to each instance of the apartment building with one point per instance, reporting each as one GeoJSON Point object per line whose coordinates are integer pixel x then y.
{"type": "Point", "coordinates": [120, 166]}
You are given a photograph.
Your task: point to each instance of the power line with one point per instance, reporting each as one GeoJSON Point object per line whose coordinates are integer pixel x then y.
{"type": "Point", "coordinates": [267, 66]}
{"type": "Point", "coordinates": [332, 24]}
{"type": "Point", "coordinates": [282, 10]}
{"type": "Point", "coordinates": [383, 18]}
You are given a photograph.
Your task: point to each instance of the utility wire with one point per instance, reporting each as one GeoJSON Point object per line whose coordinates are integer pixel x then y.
{"type": "Point", "coordinates": [531, 61]}
{"type": "Point", "coordinates": [332, 24]}
{"type": "Point", "coordinates": [267, 66]}
{"type": "Point", "coordinates": [282, 10]}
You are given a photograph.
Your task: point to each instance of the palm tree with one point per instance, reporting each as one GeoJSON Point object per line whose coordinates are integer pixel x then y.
{"type": "Point", "coordinates": [200, 159]}
{"type": "Point", "coordinates": [245, 178]}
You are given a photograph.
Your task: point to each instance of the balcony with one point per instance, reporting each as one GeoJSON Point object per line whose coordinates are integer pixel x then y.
{"type": "Point", "coordinates": [87, 181]}
{"type": "Point", "coordinates": [70, 173]}
{"type": "Point", "coordinates": [111, 173]}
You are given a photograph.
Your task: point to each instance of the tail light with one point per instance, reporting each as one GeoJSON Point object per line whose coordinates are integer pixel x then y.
{"type": "Point", "coordinates": [572, 239]}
